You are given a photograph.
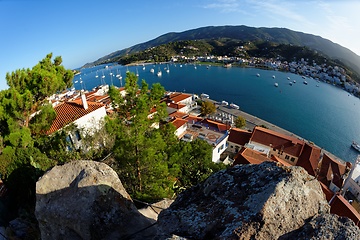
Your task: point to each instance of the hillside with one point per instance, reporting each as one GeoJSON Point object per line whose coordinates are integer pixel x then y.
{"type": "Point", "coordinates": [245, 33]}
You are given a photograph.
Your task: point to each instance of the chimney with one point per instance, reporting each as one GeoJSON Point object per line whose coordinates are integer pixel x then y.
{"type": "Point", "coordinates": [83, 100]}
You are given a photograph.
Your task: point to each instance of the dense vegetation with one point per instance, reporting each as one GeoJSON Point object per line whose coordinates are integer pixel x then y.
{"type": "Point", "coordinates": [151, 162]}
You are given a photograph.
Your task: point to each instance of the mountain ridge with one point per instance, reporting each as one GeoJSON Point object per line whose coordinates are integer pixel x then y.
{"type": "Point", "coordinates": [246, 33]}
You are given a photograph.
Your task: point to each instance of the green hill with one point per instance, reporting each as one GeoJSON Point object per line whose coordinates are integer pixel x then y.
{"type": "Point", "coordinates": [252, 34]}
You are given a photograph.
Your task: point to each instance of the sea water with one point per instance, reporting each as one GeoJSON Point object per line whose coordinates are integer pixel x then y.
{"type": "Point", "coordinates": [318, 112]}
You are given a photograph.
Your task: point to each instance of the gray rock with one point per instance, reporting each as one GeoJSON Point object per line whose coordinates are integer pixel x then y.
{"type": "Point", "coordinates": [325, 227]}
{"type": "Point", "coordinates": [86, 200]}
{"type": "Point", "coordinates": [262, 201]}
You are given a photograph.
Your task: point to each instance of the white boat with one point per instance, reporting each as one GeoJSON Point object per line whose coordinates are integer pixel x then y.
{"type": "Point", "coordinates": [97, 75]}
{"type": "Point", "coordinates": [234, 106]}
{"type": "Point", "coordinates": [144, 68]}
{"type": "Point", "coordinates": [294, 81]}
{"type": "Point", "coordinates": [137, 73]}
{"type": "Point", "coordinates": [288, 78]}
{"type": "Point", "coordinates": [152, 70]}
{"type": "Point", "coordinates": [273, 76]}
{"type": "Point", "coordinates": [168, 69]}
{"type": "Point", "coordinates": [276, 84]}
{"type": "Point", "coordinates": [159, 73]}
{"type": "Point", "coordinates": [290, 83]}
{"type": "Point", "coordinates": [204, 95]}
{"type": "Point", "coordinates": [225, 103]}
{"type": "Point", "coordinates": [305, 82]}
{"type": "Point", "coordinates": [356, 146]}
{"type": "Point", "coordinates": [258, 74]}
{"type": "Point", "coordinates": [117, 73]}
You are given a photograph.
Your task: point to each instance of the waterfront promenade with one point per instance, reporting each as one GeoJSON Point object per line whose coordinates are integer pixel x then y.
{"type": "Point", "coordinates": [252, 121]}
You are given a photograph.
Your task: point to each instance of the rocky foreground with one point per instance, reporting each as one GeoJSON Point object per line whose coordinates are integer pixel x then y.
{"type": "Point", "coordinates": [86, 200]}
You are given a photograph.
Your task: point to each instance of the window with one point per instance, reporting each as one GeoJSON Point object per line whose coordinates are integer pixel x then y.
{"type": "Point", "coordinates": [287, 157]}
{"type": "Point", "coordinates": [77, 135]}
{"type": "Point", "coordinates": [69, 142]}
{"type": "Point", "coordinates": [292, 159]}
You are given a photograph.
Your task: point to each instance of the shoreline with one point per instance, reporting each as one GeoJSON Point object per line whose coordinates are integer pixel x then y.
{"type": "Point", "coordinates": [252, 121]}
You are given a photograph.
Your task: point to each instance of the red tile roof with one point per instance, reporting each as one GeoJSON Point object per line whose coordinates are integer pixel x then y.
{"type": "Point", "coordinates": [309, 158]}
{"type": "Point", "coordinates": [178, 114]}
{"type": "Point", "coordinates": [341, 207]}
{"type": "Point", "coordinates": [279, 141]}
{"type": "Point", "coordinates": [249, 156]}
{"type": "Point", "coordinates": [279, 160]}
{"type": "Point", "coordinates": [178, 122]}
{"type": "Point", "coordinates": [239, 136]}
{"type": "Point", "coordinates": [328, 193]}
{"type": "Point", "coordinates": [218, 126]}
{"type": "Point", "coordinates": [193, 119]}
{"type": "Point", "coordinates": [331, 169]}
{"type": "Point", "coordinates": [176, 105]}
{"type": "Point", "coordinates": [69, 112]}
{"type": "Point", "coordinates": [178, 97]}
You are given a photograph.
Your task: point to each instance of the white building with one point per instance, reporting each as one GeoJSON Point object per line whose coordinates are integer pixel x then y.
{"type": "Point", "coordinates": [352, 183]}
{"type": "Point", "coordinates": [86, 116]}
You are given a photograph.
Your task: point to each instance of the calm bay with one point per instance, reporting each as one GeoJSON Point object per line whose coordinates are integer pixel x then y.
{"type": "Point", "coordinates": [318, 112]}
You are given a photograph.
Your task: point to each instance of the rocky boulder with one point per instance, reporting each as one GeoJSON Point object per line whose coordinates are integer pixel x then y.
{"type": "Point", "coordinates": [86, 200]}
{"type": "Point", "coordinates": [262, 201]}
{"type": "Point", "coordinates": [325, 227]}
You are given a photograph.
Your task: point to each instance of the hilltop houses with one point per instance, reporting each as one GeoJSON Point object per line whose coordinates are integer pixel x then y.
{"type": "Point", "coordinates": [85, 115]}
{"type": "Point", "coordinates": [229, 145]}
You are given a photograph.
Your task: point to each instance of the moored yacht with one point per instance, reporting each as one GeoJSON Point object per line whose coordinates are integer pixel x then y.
{"type": "Point", "coordinates": [233, 105]}
{"type": "Point", "coordinates": [356, 146]}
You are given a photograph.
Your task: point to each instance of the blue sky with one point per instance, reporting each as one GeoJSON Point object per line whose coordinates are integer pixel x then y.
{"type": "Point", "coordinates": [83, 31]}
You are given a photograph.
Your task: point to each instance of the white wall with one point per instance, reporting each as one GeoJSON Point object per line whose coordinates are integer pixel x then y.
{"type": "Point", "coordinates": [219, 149]}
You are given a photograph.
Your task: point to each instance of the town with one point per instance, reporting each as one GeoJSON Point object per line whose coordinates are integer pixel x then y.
{"type": "Point", "coordinates": [334, 75]}
{"type": "Point", "coordinates": [253, 144]}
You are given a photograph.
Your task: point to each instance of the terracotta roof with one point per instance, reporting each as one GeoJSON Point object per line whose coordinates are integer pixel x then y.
{"type": "Point", "coordinates": [279, 160]}
{"type": "Point", "coordinates": [279, 141]}
{"type": "Point", "coordinates": [178, 122]}
{"type": "Point", "coordinates": [249, 156]}
{"type": "Point", "coordinates": [309, 158]}
{"type": "Point", "coordinates": [178, 114]}
{"type": "Point", "coordinates": [216, 125]}
{"type": "Point", "coordinates": [178, 97]}
{"type": "Point", "coordinates": [193, 119]}
{"type": "Point", "coordinates": [239, 136]}
{"type": "Point", "coordinates": [176, 105]}
{"type": "Point", "coordinates": [328, 193]}
{"type": "Point", "coordinates": [341, 207]}
{"type": "Point", "coordinates": [69, 112]}
{"type": "Point", "coordinates": [331, 169]}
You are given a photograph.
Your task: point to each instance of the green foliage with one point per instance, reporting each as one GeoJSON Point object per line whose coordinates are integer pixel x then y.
{"type": "Point", "coordinates": [25, 115]}
{"type": "Point", "coordinates": [240, 122]}
{"type": "Point", "coordinates": [207, 108]}
{"type": "Point", "coordinates": [191, 163]}
{"type": "Point", "coordinates": [151, 162]}
{"type": "Point", "coordinates": [42, 121]}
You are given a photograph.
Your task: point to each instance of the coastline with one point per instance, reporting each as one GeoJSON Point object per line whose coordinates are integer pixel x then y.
{"type": "Point", "coordinates": [252, 121]}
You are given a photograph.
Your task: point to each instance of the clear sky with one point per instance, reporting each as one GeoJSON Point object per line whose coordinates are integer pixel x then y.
{"type": "Point", "coordinates": [82, 31]}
